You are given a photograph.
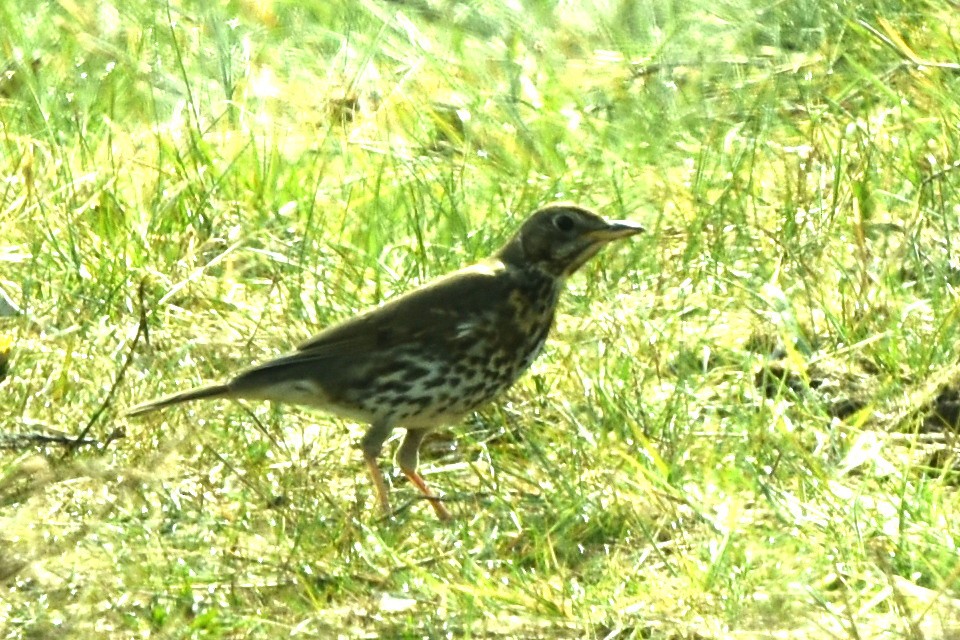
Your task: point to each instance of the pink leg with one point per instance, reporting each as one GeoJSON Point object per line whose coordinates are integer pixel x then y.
{"type": "Point", "coordinates": [417, 480]}
{"type": "Point", "coordinates": [379, 484]}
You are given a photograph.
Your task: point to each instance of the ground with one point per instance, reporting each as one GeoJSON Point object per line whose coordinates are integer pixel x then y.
{"type": "Point", "coordinates": [743, 425]}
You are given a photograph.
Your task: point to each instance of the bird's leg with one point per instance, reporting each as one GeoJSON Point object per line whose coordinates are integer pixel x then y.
{"type": "Point", "coordinates": [371, 445]}
{"type": "Point", "coordinates": [408, 457]}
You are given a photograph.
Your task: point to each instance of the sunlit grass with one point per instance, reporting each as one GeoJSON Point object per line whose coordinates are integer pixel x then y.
{"type": "Point", "coordinates": [731, 430]}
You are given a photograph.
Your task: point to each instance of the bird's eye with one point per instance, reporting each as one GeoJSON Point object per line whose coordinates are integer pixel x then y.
{"type": "Point", "coordinates": [563, 222]}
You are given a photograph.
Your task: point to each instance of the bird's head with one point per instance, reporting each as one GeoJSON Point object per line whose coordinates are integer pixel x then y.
{"type": "Point", "coordinates": [559, 238]}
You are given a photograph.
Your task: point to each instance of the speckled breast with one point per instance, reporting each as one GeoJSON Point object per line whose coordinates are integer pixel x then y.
{"type": "Point", "coordinates": [440, 383]}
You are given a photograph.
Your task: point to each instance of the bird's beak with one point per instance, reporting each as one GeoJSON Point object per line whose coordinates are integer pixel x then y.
{"type": "Point", "coordinates": [616, 229]}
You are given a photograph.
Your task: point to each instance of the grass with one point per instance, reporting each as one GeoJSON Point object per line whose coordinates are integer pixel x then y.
{"type": "Point", "coordinates": [741, 426]}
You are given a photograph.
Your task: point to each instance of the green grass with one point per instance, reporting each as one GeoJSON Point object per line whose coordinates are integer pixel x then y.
{"type": "Point", "coordinates": [729, 434]}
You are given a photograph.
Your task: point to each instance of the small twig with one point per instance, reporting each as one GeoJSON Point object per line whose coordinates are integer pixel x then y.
{"type": "Point", "coordinates": [18, 441]}
{"type": "Point", "coordinates": [116, 434]}
{"type": "Point", "coordinates": [107, 401]}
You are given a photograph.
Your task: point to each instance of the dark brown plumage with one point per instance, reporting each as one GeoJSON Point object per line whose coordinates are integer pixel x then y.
{"type": "Point", "coordinates": [434, 354]}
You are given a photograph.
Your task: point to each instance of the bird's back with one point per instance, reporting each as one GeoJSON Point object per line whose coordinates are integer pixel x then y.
{"type": "Point", "coordinates": [423, 359]}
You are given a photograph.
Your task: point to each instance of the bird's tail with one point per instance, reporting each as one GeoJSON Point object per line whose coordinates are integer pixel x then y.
{"type": "Point", "coordinates": [212, 391]}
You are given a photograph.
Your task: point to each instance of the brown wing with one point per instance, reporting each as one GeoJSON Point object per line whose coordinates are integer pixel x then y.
{"type": "Point", "coordinates": [439, 311]}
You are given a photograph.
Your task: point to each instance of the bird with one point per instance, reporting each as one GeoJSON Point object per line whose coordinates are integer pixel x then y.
{"type": "Point", "coordinates": [432, 355]}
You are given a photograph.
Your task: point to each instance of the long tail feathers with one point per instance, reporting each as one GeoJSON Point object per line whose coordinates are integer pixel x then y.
{"type": "Point", "coordinates": [212, 391]}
